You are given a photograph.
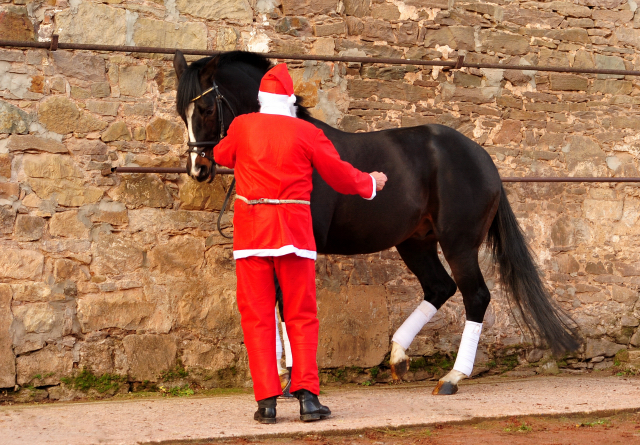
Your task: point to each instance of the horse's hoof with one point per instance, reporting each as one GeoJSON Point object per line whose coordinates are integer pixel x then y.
{"type": "Point", "coordinates": [399, 369]}
{"type": "Point", "coordinates": [445, 389]}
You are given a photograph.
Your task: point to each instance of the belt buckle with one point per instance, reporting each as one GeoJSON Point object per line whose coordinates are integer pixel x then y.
{"type": "Point", "coordinates": [272, 201]}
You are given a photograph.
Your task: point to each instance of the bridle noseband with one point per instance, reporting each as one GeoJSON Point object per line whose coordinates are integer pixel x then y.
{"type": "Point", "coordinates": [219, 98]}
{"type": "Point", "coordinates": [194, 146]}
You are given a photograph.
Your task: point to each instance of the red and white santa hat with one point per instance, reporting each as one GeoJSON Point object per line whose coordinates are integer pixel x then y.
{"type": "Point", "coordinates": [276, 94]}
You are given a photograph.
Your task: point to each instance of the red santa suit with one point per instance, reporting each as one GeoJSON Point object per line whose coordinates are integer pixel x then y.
{"type": "Point", "coordinates": [273, 154]}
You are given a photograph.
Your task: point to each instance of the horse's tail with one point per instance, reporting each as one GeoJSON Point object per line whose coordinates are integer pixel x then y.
{"type": "Point", "coordinates": [521, 279]}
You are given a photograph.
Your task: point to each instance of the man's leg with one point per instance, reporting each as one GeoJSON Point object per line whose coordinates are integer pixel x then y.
{"type": "Point", "coordinates": [297, 279]}
{"type": "Point", "coordinates": [256, 302]}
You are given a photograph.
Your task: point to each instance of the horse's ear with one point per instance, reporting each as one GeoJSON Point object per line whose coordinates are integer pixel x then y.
{"type": "Point", "coordinates": [179, 63]}
{"type": "Point", "coordinates": [209, 70]}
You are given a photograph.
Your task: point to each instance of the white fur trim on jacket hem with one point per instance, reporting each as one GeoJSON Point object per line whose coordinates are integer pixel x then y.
{"type": "Point", "coordinates": [284, 250]}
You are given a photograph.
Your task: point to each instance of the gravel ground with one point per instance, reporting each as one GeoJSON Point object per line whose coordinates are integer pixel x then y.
{"type": "Point", "coordinates": [178, 419]}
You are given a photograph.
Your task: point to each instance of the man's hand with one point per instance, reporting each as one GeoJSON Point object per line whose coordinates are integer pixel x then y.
{"type": "Point", "coordinates": [380, 178]}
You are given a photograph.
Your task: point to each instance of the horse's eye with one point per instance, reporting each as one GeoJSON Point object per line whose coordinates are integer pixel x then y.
{"type": "Point", "coordinates": [202, 154]}
{"type": "Point", "coordinates": [208, 111]}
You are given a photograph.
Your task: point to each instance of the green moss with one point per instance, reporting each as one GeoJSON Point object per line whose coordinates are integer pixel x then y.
{"type": "Point", "coordinates": [177, 373]}
{"type": "Point", "coordinates": [374, 372]}
{"type": "Point", "coordinates": [418, 364]}
{"type": "Point", "coordinates": [86, 380]}
{"type": "Point", "coordinates": [177, 391]}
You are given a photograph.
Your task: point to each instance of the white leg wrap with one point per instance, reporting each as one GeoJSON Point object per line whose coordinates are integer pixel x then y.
{"type": "Point", "coordinates": [468, 347]}
{"type": "Point", "coordinates": [278, 342]}
{"type": "Point", "coordinates": [412, 325]}
{"type": "Point", "coordinates": [287, 347]}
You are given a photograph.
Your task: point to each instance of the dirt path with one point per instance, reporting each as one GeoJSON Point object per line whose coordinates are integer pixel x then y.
{"type": "Point", "coordinates": [579, 430]}
{"type": "Point", "coordinates": [369, 409]}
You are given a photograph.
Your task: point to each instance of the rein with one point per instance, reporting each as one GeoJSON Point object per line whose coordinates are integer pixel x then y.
{"type": "Point", "coordinates": [194, 146]}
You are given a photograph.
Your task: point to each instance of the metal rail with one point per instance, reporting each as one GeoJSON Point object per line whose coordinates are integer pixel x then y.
{"type": "Point", "coordinates": [228, 171]}
{"type": "Point", "coordinates": [457, 64]}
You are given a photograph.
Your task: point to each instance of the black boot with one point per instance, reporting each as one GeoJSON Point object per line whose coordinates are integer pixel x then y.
{"type": "Point", "coordinates": [266, 410]}
{"type": "Point", "coordinates": [310, 407]}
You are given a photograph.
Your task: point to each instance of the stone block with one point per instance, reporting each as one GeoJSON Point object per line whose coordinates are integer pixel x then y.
{"type": "Point", "coordinates": [163, 130]}
{"type": "Point", "coordinates": [456, 37]}
{"type": "Point", "coordinates": [16, 25]}
{"type": "Point", "coordinates": [114, 213]}
{"type": "Point", "coordinates": [400, 91]}
{"type": "Point", "coordinates": [237, 10]}
{"type": "Point", "coordinates": [118, 131]}
{"type": "Point", "coordinates": [103, 108]}
{"type": "Point", "coordinates": [378, 30]}
{"type": "Point", "coordinates": [294, 26]}
{"type": "Point", "coordinates": [38, 318]}
{"type": "Point", "coordinates": [13, 119]}
{"type": "Point", "coordinates": [500, 42]}
{"type": "Point", "coordinates": [147, 32]}
{"type": "Point", "coordinates": [568, 82]}
{"type": "Point", "coordinates": [51, 166]}
{"type": "Point", "coordinates": [181, 255]}
{"type": "Point", "coordinates": [5, 167]}
{"type": "Point", "coordinates": [610, 86]}
{"type": "Point", "coordinates": [7, 219]}
{"type": "Point", "coordinates": [21, 264]}
{"type": "Point", "coordinates": [29, 228]}
{"type": "Point", "coordinates": [92, 23]}
{"type": "Point", "coordinates": [624, 295]}
{"type": "Point", "coordinates": [511, 131]}
{"type": "Point", "coordinates": [195, 195]}
{"type": "Point", "coordinates": [9, 190]}
{"type": "Point", "coordinates": [357, 334]}
{"type": "Point", "coordinates": [324, 46]}
{"type": "Point", "coordinates": [142, 191]}
{"type": "Point", "coordinates": [132, 80]}
{"type": "Point", "coordinates": [149, 355]}
{"type": "Point", "coordinates": [198, 354]}
{"type": "Point", "coordinates": [59, 114]}
{"type": "Point", "coordinates": [302, 7]}
{"type": "Point", "coordinates": [44, 367]}
{"type": "Point", "coordinates": [7, 356]}
{"type": "Point", "coordinates": [66, 192]}
{"type": "Point", "coordinates": [569, 9]}
{"type": "Point", "coordinates": [86, 147]}
{"type": "Point", "coordinates": [330, 29]}
{"type": "Point", "coordinates": [357, 8]}
{"type": "Point", "coordinates": [617, 17]}
{"type": "Point", "coordinates": [80, 65]}
{"type": "Point", "coordinates": [609, 63]}
{"type": "Point", "coordinates": [98, 356]}
{"type": "Point", "coordinates": [385, 11]}
{"type": "Point", "coordinates": [68, 224]}
{"type": "Point", "coordinates": [353, 124]}
{"type": "Point", "coordinates": [227, 39]}
{"type": "Point", "coordinates": [114, 255]}
{"type": "Point", "coordinates": [524, 16]}
{"type": "Point", "coordinates": [139, 109]}
{"type": "Point", "coordinates": [628, 36]}
{"type": "Point", "coordinates": [598, 210]}
{"type": "Point", "coordinates": [167, 220]}
{"type": "Point", "coordinates": [596, 347]}
{"type": "Point", "coordinates": [626, 122]}
{"type": "Point", "coordinates": [129, 310]}
{"type": "Point", "coordinates": [30, 143]}
{"type": "Point", "coordinates": [101, 89]}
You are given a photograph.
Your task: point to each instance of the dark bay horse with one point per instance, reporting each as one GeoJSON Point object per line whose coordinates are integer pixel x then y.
{"type": "Point", "coordinates": [442, 188]}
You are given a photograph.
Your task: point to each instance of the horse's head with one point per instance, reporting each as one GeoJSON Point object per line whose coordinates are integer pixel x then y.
{"type": "Point", "coordinates": [211, 92]}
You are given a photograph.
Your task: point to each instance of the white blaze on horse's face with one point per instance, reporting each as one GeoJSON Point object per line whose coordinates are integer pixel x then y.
{"type": "Point", "coordinates": [195, 170]}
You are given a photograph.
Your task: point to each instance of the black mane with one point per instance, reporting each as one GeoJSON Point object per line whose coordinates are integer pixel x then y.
{"type": "Point", "coordinates": [189, 85]}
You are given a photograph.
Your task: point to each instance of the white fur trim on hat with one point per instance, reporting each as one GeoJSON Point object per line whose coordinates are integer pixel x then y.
{"type": "Point", "coordinates": [277, 104]}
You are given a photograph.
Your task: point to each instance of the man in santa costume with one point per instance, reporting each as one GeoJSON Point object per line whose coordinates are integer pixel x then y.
{"type": "Point", "coordinates": [274, 154]}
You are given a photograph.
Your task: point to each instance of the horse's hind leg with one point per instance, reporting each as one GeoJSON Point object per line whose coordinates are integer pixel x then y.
{"type": "Point", "coordinates": [466, 271]}
{"type": "Point", "coordinates": [421, 257]}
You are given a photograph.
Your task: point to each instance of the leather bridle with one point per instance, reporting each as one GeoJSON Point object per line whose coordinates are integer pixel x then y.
{"type": "Point", "coordinates": [199, 147]}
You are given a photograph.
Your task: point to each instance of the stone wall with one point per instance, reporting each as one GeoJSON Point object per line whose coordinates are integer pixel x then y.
{"type": "Point", "coordinates": [126, 274]}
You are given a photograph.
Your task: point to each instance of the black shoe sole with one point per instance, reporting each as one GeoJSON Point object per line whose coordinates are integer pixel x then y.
{"type": "Point", "coordinates": [313, 417]}
{"type": "Point", "coordinates": [266, 421]}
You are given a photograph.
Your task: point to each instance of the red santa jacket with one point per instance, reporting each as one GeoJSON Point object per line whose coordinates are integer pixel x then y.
{"type": "Point", "coordinates": [273, 157]}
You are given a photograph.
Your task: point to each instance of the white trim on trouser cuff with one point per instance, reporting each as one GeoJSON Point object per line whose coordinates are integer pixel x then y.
{"type": "Point", "coordinates": [468, 347]}
{"type": "Point", "coordinates": [375, 186]}
{"type": "Point", "coordinates": [412, 325]}
{"type": "Point", "coordinates": [284, 250]}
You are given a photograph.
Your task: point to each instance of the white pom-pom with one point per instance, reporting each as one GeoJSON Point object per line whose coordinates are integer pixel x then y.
{"type": "Point", "coordinates": [292, 99]}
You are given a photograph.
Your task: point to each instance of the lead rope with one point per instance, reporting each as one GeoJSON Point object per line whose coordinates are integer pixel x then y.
{"type": "Point", "coordinates": [224, 207]}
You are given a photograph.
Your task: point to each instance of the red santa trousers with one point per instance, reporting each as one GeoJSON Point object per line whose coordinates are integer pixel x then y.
{"type": "Point", "coordinates": [256, 297]}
